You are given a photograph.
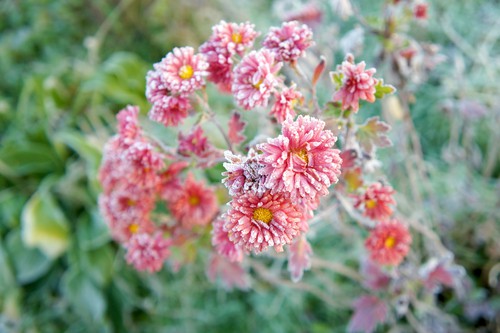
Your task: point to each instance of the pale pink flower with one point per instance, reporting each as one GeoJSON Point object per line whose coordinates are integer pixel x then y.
{"type": "Point", "coordinates": [289, 42]}
{"type": "Point", "coordinates": [233, 38]}
{"type": "Point", "coordinates": [255, 79]}
{"type": "Point", "coordinates": [182, 71]}
{"type": "Point", "coordinates": [166, 109]}
{"type": "Point", "coordinates": [301, 161]}
{"type": "Point", "coordinates": [195, 205]}
{"type": "Point", "coordinates": [285, 102]}
{"type": "Point", "coordinates": [389, 242]}
{"type": "Point", "coordinates": [377, 201]}
{"type": "Point", "coordinates": [147, 252]}
{"type": "Point", "coordinates": [357, 84]}
{"type": "Point", "coordinates": [256, 222]}
{"type": "Point", "coordinates": [299, 258]}
{"type": "Point", "coordinates": [231, 273]}
{"type": "Point", "coordinates": [128, 125]}
{"type": "Point", "coordinates": [242, 173]}
{"type": "Point", "coordinates": [222, 244]}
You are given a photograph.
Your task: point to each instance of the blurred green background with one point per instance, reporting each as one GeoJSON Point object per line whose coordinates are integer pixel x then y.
{"type": "Point", "coordinates": [68, 66]}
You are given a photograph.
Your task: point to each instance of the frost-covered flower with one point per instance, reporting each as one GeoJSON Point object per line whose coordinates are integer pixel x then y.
{"type": "Point", "coordinates": [169, 185]}
{"type": "Point", "coordinates": [256, 222]}
{"type": "Point", "coordinates": [290, 41]}
{"type": "Point", "coordinates": [389, 242]}
{"type": "Point", "coordinates": [233, 38]}
{"type": "Point", "coordinates": [142, 164]}
{"type": "Point", "coordinates": [222, 244]}
{"type": "Point", "coordinates": [376, 201]}
{"type": "Point", "coordinates": [147, 252]}
{"type": "Point", "coordinates": [128, 125]}
{"type": "Point", "coordinates": [220, 66]}
{"type": "Point", "coordinates": [196, 204]}
{"type": "Point", "coordinates": [301, 161]}
{"type": "Point", "coordinates": [285, 102]}
{"type": "Point", "coordinates": [167, 109]}
{"type": "Point", "coordinates": [242, 173]}
{"type": "Point", "coordinates": [182, 71]}
{"type": "Point", "coordinates": [196, 143]}
{"type": "Point", "coordinates": [255, 79]}
{"type": "Point", "coordinates": [357, 84]}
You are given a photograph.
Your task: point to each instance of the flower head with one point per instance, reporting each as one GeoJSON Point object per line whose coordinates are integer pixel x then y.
{"type": "Point", "coordinates": [182, 71]}
{"type": "Point", "coordinates": [285, 103]}
{"type": "Point", "coordinates": [232, 38]}
{"type": "Point", "coordinates": [167, 109]}
{"type": "Point", "coordinates": [301, 161]}
{"type": "Point", "coordinates": [389, 242]}
{"type": "Point", "coordinates": [289, 42]}
{"type": "Point", "coordinates": [255, 79]}
{"type": "Point", "coordinates": [143, 164]}
{"type": "Point", "coordinates": [377, 201]}
{"type": "Point", "coordinates": [256, 222]}
{"type": "Point", "coordinates": [222, 244]}
{"type": "Point", "coordinates": [242, 173]}
{"type": "Point", "coordinates": [196, 204]}
{"type": "Point", "coordinates": [357, 84]}
{"type": "Point", "coordinates": [147, 252]}
{"type": "Point", "coordinates": [128, 125]}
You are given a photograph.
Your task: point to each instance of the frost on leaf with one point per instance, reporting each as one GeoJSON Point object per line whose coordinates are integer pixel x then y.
{"type": "Point", "coordinates": [382, 89]}
{"type": "Point", "coordinates": [299, 259]}
{"type": "Point", "coordinates": [372, 133]}
{"type": "Point", "coordinates": [368, 312]}
{"type": "Point", "coordinates": [236, 127]}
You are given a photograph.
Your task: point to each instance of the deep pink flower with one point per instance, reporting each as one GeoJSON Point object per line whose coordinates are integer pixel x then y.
{"type": "Point", "coordinates": [376, 201]}
{"type": "Point", "coordinates": [143, 164]}
{"type": "Point", "coordinates": [182, 71]}
{"type": "Point", "coordinates": [166, 109]}
{"type": "Point", "coordinates": [128, 125]}
{"type": "Point", "coordinates": [220, 65]}
{"type": "Point", "coordinates": [285, 102]}
{"type": "Point", "coordinates": [169, 185]}
{"type": "Point", "coordinates": [289, 42]}
{"type": "Point", "coordinates": [256, 222]}
{"type": "Point", "coordinates": [242, 173]}
{"type": "Point", "coordinates": [420, 11]}
{"type": "Point", "coordinates": [301, 161]}
{"type": "Point", "coordinates": [255, 79]}
{"type": "Point", "coordinates": [147, 252]}
{"type": "Point", "coordinates": [389, 242]}
{"type": "Point", "coordinates": [222, 244]}
{"type": "Point", "coordinates": [195, 205]}
{"type": "Point", "coordinates": [357, 84]}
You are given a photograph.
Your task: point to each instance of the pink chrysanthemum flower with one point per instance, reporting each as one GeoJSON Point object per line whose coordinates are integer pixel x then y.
{"type": "Point", "coordinates": [256, 222]}
{"type": "Point", "coordinates": [147, 252]}
{"type": "Point", "coordinates": [169, 185]}
{"type": "Point", "coordinates": [220, 66]}
{"type": "Point", "coordinates": [357, 84]}
{"type": "Point", "coordinates": [242, 173]}
{"type": "Point", "coordinates": [255, 79]}
{"type": "Point", "coordinates": [376, 201]}
{"type": "Point", "coordinates": [233, 38]}
{"type": "Point", "coordinates": [143, 164]}
{"type": "Point", "coordinates": [289, 42]}
{"type": "Point", "coordinates": [166, 109]}
{"type": "Point", "coordinates": [222, 244]}
{"type": "Point", "coordinates": [195, 205]}
{"type": "Point", "coordinates": [388, 243]}
{"type": "Point", "coordinates": [128, 125]}
{"type": "Point", "coordinates": [182, 71]}
{"type": "Point", "coordinates": [285, 103]}
{"type": "Point", "coordinates": [302, 160]}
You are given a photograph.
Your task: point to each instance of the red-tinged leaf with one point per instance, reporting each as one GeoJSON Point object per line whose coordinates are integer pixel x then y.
{"type": "Point", "coordinates": [232, 274]}
{"type": "Point", "coordinates": [374, 277]}
{"type": "Point", "coordinates": [236, 127]}
{"type": "Point", "coordinates": [372, 133]}
{"type": "Point", "coordinates": [368, 312]}
{"type": "Point", "coordinates": [318, 71]}
{"type": "Point", "coordinates": [436, 273]}
{"type": "Point", "coordinates": [353, 179]}
{"type": "Point", "coordinates": [299, 258]}
{"type": "Point", "coordinates": [348, 158]}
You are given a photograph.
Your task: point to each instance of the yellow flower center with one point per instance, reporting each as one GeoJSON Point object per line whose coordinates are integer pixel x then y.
{"type": "Point", "coordinates": [194, 200]}
{"type": "Point", "coordinates": [262, 214]}
{"type": "Point", "coordinates": [302, 154]}
{"type": "Point", "coordinates": [390, 242]}
{"type": "Point", "coordinates": [236, 37]}
{"type": "Point", "coordinates": [186, 72]}
{"type": "Point", "coordinates": [370, 204]}
{"type": "Point", "coordinates": [130, 202]}
{"type": "Point", "coordinates": [257, 85]}
{"type": "Point", "coordinates": [133, 228]}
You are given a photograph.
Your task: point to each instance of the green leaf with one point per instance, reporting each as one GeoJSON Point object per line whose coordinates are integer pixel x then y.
{"type": "Point", "coordinates": [372, 133]}
{"type": "Point", "coordinates": [83, 295]}
{"type": "Point", "coordinates": [383, 89]}
{"type": "Point", "coordinates": [98, 264]}
{"type": "Point", "coordinates": [44, 225]}
{"type": "Point", "coordinates": [29, 264]}
{"type": "Point", "coordinates": [92, 233]}
{"type": "Point", "coordinates": [337, 78]}
{"type": "Point", "coordinates": [24, 158]}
